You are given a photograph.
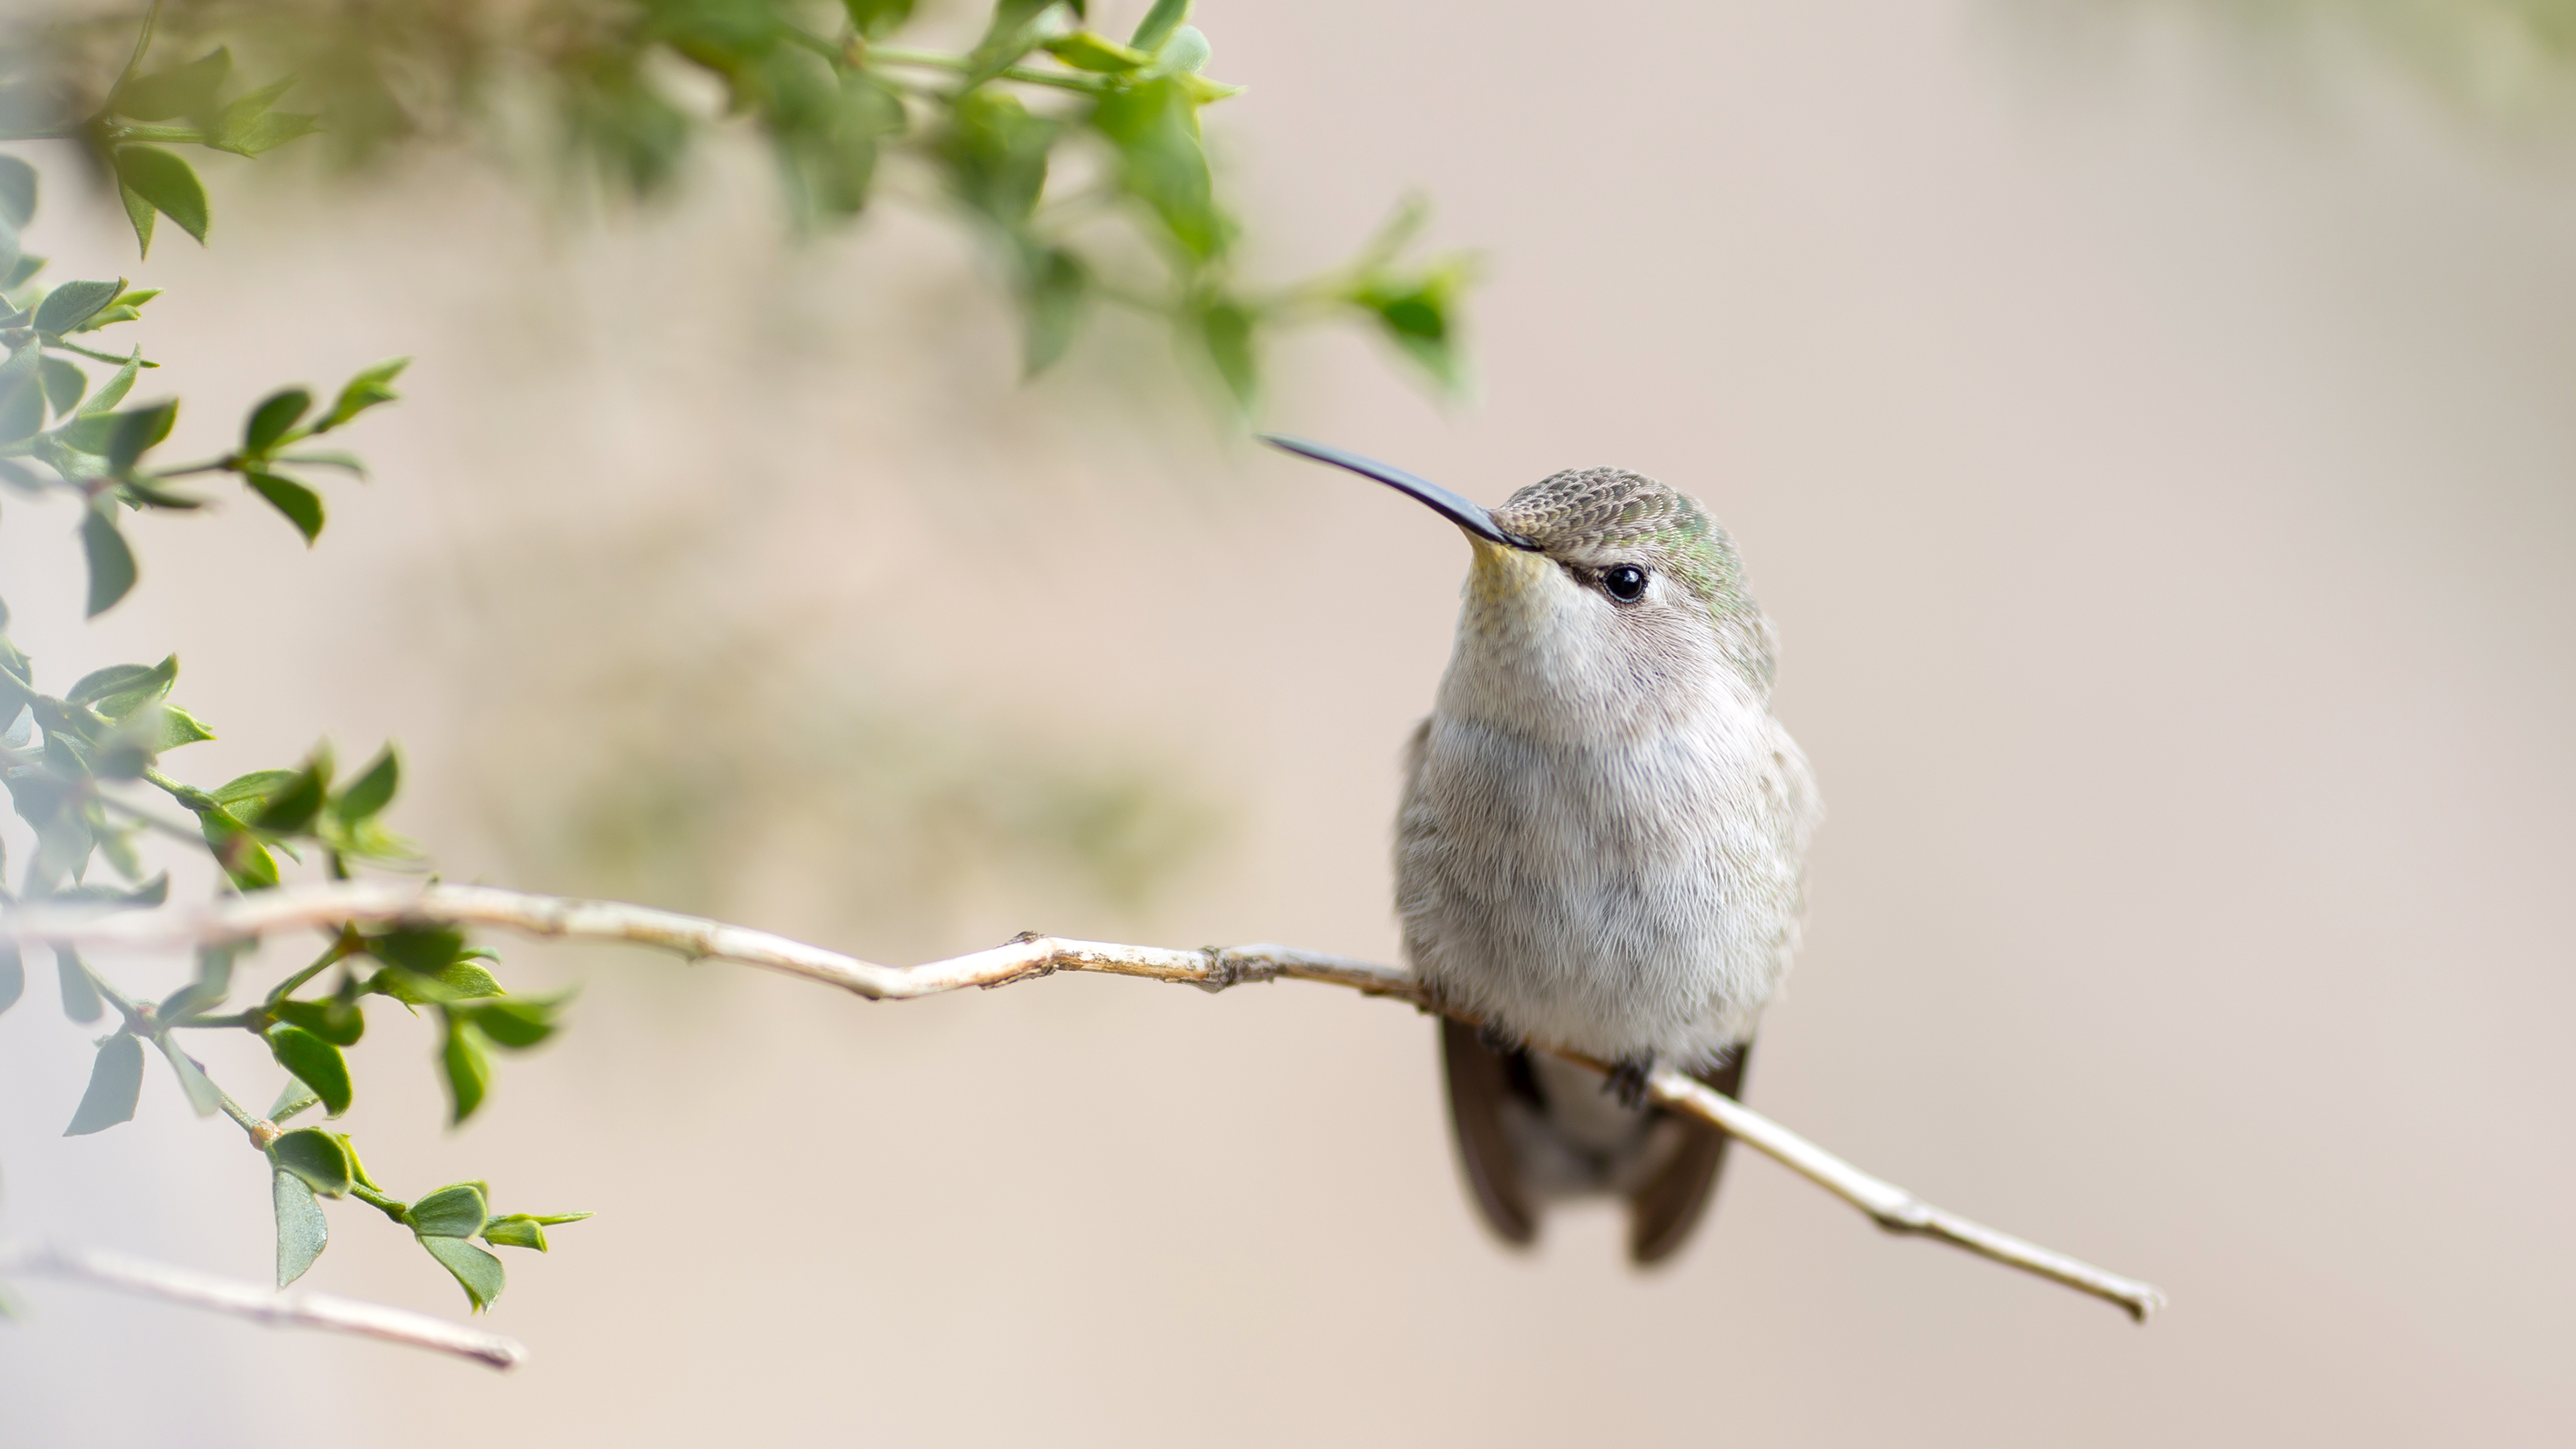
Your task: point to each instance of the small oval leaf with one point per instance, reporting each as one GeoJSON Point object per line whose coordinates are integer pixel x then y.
{"type": "Point", "coordinates": [320, 1158]}
{"type": "Point", "coordinates": [270, 420]}
{"type": "Point", "coordinates": [477, 1272]}
{"type": "Point", "coordinates": [301, 505]}
{"type": "Point", "coordinates": [168, 183]}
{"type": "Point", "coordinates": [454, 1211]}
{"type": "Point", "coordinates": [302, 1231]}
{"type": "Point", "coordinates": [467, 1069]}
{"type": "Point", "coordinates": [315, 1062]}
{"type": "Point", "coordinates": [111, 563]}
{"type": "Point", "coordinates": [115, 1084]}
{"type": "Point", "coordinates": [338, 1022]}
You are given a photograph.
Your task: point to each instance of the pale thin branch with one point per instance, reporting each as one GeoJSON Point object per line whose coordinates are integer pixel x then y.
{"type": "Point", "coordinates": [249, 1300]}
{"type": "Point", "coordinates": [1214, 969]}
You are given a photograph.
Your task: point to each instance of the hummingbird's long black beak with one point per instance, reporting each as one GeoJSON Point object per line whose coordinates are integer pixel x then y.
{"type": "Point", "coordinates": [1473, 517]}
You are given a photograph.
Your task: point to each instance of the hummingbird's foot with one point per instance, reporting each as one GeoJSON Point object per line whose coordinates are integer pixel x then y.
{"type": "Point", "coordinates": [1627, 1081]}
{"type": "Point", "coordinates": [1496, 1040]}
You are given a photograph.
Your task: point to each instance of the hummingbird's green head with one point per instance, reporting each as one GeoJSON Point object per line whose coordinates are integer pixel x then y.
{"type": "Point", "coordinates": [1597, 593]}
{"type": "Point", "coordinates": [1619, 532]}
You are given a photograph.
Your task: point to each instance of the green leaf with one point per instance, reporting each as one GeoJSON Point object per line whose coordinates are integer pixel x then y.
{"type": "Point", "coordinates": [214, 965]}
{"type": "Point", "coordinates": [127, 307]}
{"type": "Point", "coordinates": [371, 792]}
{"type": "Point", "coordinates": [478, 1272]}
{"type": "Point", "coordinates": [366, 390]}
{"type": "Point", "coordinates": [997, 156]}
{"type": "Point", "coordinates": [1158, 24]}
{"type": "Point", "coordinates": [315, 1062]}
{"type": "Point", "coordinates": [516, 1022]}
{"type": "Point", "coordinates": [321, 1158]}
{"type": "Point", "coordinates": [167, 182]}
{"type": "Point", "coordinates": [203, 1097]}
{"type": "Point", "coordinates": [247, 127]}
{"type": "Point", "coordinates": [13, 975]}
{"type": "Point", "coordinates": [80, 995]}
{"type": "Point", "coordinates": [178, 727]}
{"type": "Point", "coordinates": [301, 505]}
{"type": "Point", "coordinates": [1083, 50]}
{"type": "Point", "coordinates": [302, 1231]}
{"type": "Point", "coordinates": [186, 90]}
{"type": "Point", "coordinates": [457, 1210]}
{"type": "Point", "coordinates": [66, 307]}
{"type": "Point", "coordinates": [121, 689]}
{"type": "Point", "coordinates": [245, 796]}
{"type": "Point", "coordinates": [462, 981]}
{"type": "Point", "coordinates": [1051, 301]}
{"type": "Point", "coordinates": [270, 420]}
{"type": "Point", "coordinates": [115, 1084]}
{"type": "Point", "coordinates": [139, 214]}
{"type": "Point", "coordinates": [17, 194]}
{"type": "Point", "coordinates": [526, 1230]}
{"type": "Point", "coordinates": [111, 563]}
{"type": "Point", "coordinates": [292, 807]}
{"type": "Point", "coordinates": [239, 852]}
{"type": "Point", "coordinates": [292, 1098]}
{"type": "Point", "coordinates": [115, 390]}
{"type": "Point", "coordinates": [138, 431]}
{"type": "Point", "coordinates": [467, 1069]}
{"type": "Point", "coordinates": [421, 950]}
{"type": "Point", "coordinates": [1225, 330]}
{"type": "Point", "coordinates": [64, 840]}
{"type": "Point", "coordinates": [518, 1230]}
{"type": "Point", "coordinates": [22, 394]}
{"type": "Point", "coordinates": [338, 1022]}
{"type": "Point", "coordinates": [327, 458]}
{"type": "Point", "coordinates": [1418, 315]}
{"type": "Point", "coordinates": [877, 19]}
{"type": "Point", "coordinates": [64, 384]}
{"type": "Point", "coordinates": [265, 133]}
{"type": "Point", "coordinates": [1155, 128]}
{"type": "Point", "coordinates": [18, 272]}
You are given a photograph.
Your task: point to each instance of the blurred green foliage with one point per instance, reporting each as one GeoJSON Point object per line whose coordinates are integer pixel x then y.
{"type": "Point", "coordinates": [2505, 58]}
{"type": "Point", "coordinates": [1039, 132]}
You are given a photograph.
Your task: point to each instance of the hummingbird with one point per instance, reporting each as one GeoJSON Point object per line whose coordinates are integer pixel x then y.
{"type": "Point", "coordinates": [1602, 842]}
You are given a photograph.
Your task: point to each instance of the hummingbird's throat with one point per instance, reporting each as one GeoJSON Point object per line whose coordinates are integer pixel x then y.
{"type": "Point", "coordinates": [1504, 575]}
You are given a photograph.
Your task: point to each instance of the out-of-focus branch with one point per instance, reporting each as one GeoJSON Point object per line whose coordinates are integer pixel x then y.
{"type": "Point", "coordinates": [249, 1300]}
{"type": "Point", "coordinates": [1212, 968]}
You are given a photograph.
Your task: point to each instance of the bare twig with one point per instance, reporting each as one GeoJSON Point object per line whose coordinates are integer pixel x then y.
{"type": "Point", "coordinates": [1213, 969]}
{"type": "Point", "coordinates": [249, 1300]}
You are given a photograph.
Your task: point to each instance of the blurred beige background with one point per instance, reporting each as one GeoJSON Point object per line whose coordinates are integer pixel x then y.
{"type": "Point", "coordinates": [2163, 478]}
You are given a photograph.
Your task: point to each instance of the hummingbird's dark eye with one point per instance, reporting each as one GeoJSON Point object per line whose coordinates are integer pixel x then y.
{"type": "Point", "coordinates": [1624, 583]}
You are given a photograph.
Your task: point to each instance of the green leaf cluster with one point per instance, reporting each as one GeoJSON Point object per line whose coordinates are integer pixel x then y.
{"type": "Point", "coordinates": [69, 760]}
{"type": "Point", "coordinates": [832, 89]}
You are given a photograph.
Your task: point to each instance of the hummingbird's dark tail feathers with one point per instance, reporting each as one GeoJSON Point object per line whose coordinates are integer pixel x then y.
{"type": "Point", "coordinates": [1666, 1206]}
{"type": "Point", "coordinates": [1519, 1147]}
{"type": "Point", "coordinates": [1481, 1090]}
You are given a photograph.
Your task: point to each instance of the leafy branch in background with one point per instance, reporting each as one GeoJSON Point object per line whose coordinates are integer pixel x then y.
{"type": "Point", "coordinates": [69, 759]}
{"type": "Point", "coordinates": [1066, 147]}
{"type": "Point", "coordinates": [2498, 60]}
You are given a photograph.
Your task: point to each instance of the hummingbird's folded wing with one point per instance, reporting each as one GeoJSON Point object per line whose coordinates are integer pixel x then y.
{"type": "Point", "coordinates": [1665, 1207]}
{"type": "Point", "coordinates": [1480, 1090]}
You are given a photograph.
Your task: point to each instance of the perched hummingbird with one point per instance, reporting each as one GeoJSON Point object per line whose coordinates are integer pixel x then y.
{"type": "Point", "coordinates": [1602, 844]}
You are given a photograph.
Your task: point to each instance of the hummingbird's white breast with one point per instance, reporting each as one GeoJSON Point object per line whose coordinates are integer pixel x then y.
{"type": "Point", "coordinates": [1603, 832]}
